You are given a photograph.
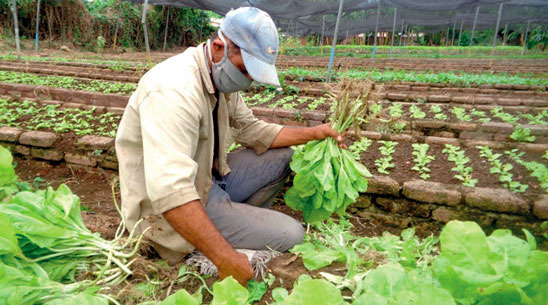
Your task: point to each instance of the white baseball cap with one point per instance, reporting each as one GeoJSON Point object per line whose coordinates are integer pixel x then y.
{"type": "Point", "coordinates": [254, 32]}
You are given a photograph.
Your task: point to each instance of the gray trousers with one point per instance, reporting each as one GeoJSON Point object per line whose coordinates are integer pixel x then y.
{"type": "Point", "coordinates": [238, 202]}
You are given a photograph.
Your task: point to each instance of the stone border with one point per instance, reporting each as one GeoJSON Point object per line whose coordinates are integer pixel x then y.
{"type": "Point", "coordinates": [419, 201]}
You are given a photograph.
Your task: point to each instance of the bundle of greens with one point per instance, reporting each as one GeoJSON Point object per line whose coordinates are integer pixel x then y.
{"type": "Point", "coordinates": [328, 178]}
{"type": "Point", "coordinates": [44, 244]}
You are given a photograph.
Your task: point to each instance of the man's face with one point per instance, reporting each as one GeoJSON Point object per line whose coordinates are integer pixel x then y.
{"type": "Point", "coordinates": [234, 54]}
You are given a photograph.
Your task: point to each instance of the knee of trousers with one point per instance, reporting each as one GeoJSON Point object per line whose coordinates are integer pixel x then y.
{"type": "Point", "coordinates": [293, 234]}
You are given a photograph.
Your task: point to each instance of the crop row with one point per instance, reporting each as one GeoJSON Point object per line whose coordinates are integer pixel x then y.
{"type": "Point", "coordinates": [67, 82]}
{"type": "Point", "coordinates": [34, 116]}
{"type": "Point", "coordinates": [382, 156]}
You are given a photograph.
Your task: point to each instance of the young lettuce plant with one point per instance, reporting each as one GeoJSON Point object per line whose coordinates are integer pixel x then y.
{"type": "Point", "coordinates": [438, 113]}
{"type": "Point", "coordinates": [416, 112]}
{"type": "Point", "coordinates": [420, 151]}
{"type": "Point", "coordinates": [328, 178]}
{"type": "Point", "coordinates": [464, 172]}
{"type": "Point", "coordinates": [538, 170]}
{"type": "Point", "coordinates": [461, 115]}
{"type": "Point", "coordinates": [384, 163]}
{"type": "Point", "coordinates": [522, 134]}
{"type": "Point", "coordinates": [502, 170]}
{"type": "Point", "coordinates": [359, 146]}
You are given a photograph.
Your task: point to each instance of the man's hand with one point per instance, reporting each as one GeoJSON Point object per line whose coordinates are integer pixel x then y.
{"type": "Point", "coordinates": [289, 136]}
{"type": "Point", "coordinates": [325, 131]}
{"type": "Point", "coordinates": [238, 266]}
{"type": "Point", "coordinates": [191, 221]}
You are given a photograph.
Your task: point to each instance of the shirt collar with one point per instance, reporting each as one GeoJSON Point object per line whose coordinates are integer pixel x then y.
{"type": "Point", "coordinates": [202, 65]}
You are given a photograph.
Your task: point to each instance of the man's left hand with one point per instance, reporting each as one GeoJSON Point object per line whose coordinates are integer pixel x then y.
{"type": "Point", "coordinates": [325, 131]}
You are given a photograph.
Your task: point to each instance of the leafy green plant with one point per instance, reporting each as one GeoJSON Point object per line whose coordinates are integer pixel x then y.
{"type": "Point", "coordinates": [456, 155]}
{"type": "Point", "coordinates": [422, 159]}
{"type": "Point", "coordinates": [375, 108]}
{"type": "Point", "coordinates": [438, 113]}
{"type": "Point", "coordinates": [538, 170]}
{"type": "Point", "coordinates": [328, 178]}
{"type": "Point", "coordinates": [416, 112]}
{"type": "Point", "coordinates": [498, 269]}
{"type": "Point", "coordinates": [481, 115]}
{"type": "Point", "coordinates": [359, 146]}
{"type": "Point", "coordinates": [522, 134]}
{"type": "Point", "coordinates": [535, 119]}
{"type": "Point", "coordinates": [395, 110]}
{"type": "Point", "coordinates": [316, 103]}
{"type": "Point", "coordinates": [385, 163]}
{"type": "Point", "coordinates": [461, 115]}
{"type": "Point", "coordinates": [502, 170]}
{"type": "Point", "coordinates": [503, 116]}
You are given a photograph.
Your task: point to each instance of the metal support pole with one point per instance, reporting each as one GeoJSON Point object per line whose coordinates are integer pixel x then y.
{"type": "Point", "coordinates": [447, 37]}
{"type": "Point", "coordinates": [474, 28]}
{"type": "Point", "coordinates": [505, 35]}
{"type": "Point", "coordinates": [401, 34]}
{"type": "Point", "coordinates": [460, 32]}
{"type": "Point", "coordinates": [145, 29]}
{"type": "Point", "coordinates": [525, 38]}
{"type": "Point", "coordinates": [376, 29]}
{"type": "Point", "coordinates": [323, 29]}
{"type": "Point", "coordinates": [346, 37]}
{"type": "Point", "coordinates": [117, 26]}
{"type": "Point", "coordinates": [296, 36]}
{"type": "Point", "coordinates": [393, 31]}
{"type": "Point", "coordinates": [407, 33]}
{"type": "Point", "coordinates": [16, 27]}
{"type": "Point", "coordinates": [453, 34]}
{"type": "Point", "coordinates": [332, 56]}
{"type": "Point", "coordinates": [495, 36]}
{"type": "Point", "coordinates": [167, 23]}
{"type": "Point", "coordinates": [37, 36]}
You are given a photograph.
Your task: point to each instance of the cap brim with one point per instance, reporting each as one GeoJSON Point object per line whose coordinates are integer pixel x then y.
{"type": "Point", "coordinates": [259, 70]}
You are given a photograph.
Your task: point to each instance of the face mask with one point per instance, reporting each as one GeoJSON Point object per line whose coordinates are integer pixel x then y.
{"type": "Point", "coordinates": [226, 76]}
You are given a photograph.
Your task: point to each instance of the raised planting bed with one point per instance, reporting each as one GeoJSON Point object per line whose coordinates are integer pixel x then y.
{"type": "Point", "coordinates": [469, 65]}
{"type": "Point", "coordinates": [67, 82]}
{"type": "Point", "coordinates": [130, 75]}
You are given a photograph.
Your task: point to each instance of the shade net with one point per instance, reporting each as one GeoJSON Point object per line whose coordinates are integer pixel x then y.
{"type": "Point", "coordinates": [305, 17]}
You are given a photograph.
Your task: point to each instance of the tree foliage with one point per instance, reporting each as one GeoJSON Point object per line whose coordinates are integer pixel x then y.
{"type": "Point", "coordinates": [82, 22]}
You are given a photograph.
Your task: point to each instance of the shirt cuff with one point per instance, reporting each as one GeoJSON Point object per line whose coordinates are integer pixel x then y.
{"type": "Point", "coordinates": [266, 137]}
{"type": "Point", "coordinates": [175, 199]}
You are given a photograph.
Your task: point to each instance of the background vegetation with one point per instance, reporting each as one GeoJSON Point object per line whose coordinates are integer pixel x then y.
{"type": "Point", "coordinates": [82, 23]}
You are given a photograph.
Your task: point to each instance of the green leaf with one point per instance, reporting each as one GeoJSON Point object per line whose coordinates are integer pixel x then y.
{"type": "Point", "coordinates": [507, 254]}
{"type": "Point", "coordinates": [256, 291]}
{"type": "Point", "coordinates": [465, 245]}
{"type": "Point", "coordinates": [314, 292]}
{"type": "Point", "coordinates": [80, 299]}
{"type": "Point", "coordinates": [181, 297]}
{"type": "Point", "coordinates": [530, 239]}
{"type": "Point", "coordinates": [229, 292]}
{"type": "Point", "coordinates": [279, 294]}
{"type": "Point", "coordinates": [385, 279]}
{"type": "Point", "coordinates": [8, 240]}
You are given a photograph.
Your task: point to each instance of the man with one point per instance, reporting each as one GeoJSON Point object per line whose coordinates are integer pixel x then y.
{"type": "Point", "coordinates": [172, 150]}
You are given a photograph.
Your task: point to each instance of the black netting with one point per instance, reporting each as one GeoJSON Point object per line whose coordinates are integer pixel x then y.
{"type": "Point", "coordinates": [359, 16]}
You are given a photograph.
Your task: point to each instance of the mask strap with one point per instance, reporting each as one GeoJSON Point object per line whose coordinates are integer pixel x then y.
{"type": "Point", "coordinates": [209, 55]}
{"type": "Point", "coordinates": [224, 42]}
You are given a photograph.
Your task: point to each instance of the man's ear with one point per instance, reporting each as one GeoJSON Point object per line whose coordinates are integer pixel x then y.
{"type": "Point", "coordinates": [217, 45]}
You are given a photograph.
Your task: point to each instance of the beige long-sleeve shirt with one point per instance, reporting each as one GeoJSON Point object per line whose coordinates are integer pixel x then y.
{"type": "Point", "coordinates": [165, 142]}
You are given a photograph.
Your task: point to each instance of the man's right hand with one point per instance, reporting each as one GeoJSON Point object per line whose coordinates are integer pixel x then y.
{"type": "Point", "coordinates": [238, 266]}
{"type": "Point", "coordinates": [191, 221]}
